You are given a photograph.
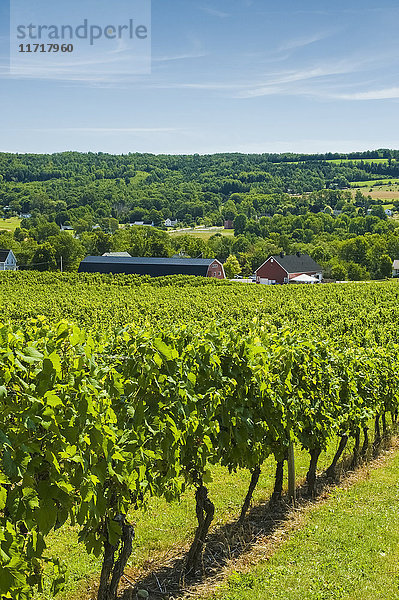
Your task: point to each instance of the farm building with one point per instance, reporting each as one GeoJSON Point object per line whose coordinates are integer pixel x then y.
{"type": "Point", "coordinates": [284, 268]}
{"type": "Point", "coordinates": [171, 222]}
{"type": "Point", "coordinates": [156, 267]}
{"type": "Point", "coordinates": [8, 262]}
{"type": "Point", "coordinates": [395, 268]}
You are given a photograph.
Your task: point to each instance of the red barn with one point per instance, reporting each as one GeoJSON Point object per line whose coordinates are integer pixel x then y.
{"type": "Point", "coordinates": [229, 224]}
{"type": "Point", "coordinates": [281, 268]}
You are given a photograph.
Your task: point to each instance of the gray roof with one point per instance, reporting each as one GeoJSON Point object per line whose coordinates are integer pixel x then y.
{"type": "Point", "coordinates": [145, 265]}
{"type": "Point", "coordinates": [297, 263]}
{"type": "Point", "coordinates": [3, 255]}
{"type": "Point", "coordinates": [148, 260]}
{"type": "Point", "coordinates": [395, 264]}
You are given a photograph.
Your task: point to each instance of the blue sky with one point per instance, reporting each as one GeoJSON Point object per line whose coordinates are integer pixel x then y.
{"type": "Point", "coordinates": [227, 76]}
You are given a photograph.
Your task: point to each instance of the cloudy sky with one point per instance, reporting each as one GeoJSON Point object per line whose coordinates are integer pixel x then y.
{"type": "Point", "coordinates": [227, 76]}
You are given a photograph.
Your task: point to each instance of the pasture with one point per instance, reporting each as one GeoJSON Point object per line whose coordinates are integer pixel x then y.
{"type": "Point", "coordinates": [10, 224]}
{"type": "Point", "coordinates": [203, 234]}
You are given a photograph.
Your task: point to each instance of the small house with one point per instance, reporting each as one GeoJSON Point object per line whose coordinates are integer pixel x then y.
{"type": "Point", "coordinates": [282, 268]}
{"type": "Point", "coordinates": [171, 222]}
{"type": "Point", "coordinates": [395, 268]}
{"type": "Point", "coordinates": [8, 262]}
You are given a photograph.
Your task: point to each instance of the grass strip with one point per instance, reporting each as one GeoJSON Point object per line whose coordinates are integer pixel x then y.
{"type": "Point", "coordinates": [346, 547]}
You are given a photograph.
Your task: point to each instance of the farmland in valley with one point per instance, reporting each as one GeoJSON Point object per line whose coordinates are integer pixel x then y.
{"type": "Point", "coordinates": [378, 190]}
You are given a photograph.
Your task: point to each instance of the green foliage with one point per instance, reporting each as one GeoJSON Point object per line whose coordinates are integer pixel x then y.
{"type": "Point", "coordinates": [44, 257]}
{"type": "Point", "coordinates": [384, 267]}
{"type": "Point", "coordinates": [240, 224]}
{"type": "Point", "coordinates": [278, 202]}
{"type": "Point", "coordinates": [232, 267]}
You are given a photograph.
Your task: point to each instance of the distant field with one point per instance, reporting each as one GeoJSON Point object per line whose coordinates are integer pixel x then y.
{"type": "Point", "coordinates": [359, 160]}
{"type": "Point", "coordinates": [204, 234]}
{"type": "Point", "coordinates": [9, 224]}
{"type": "Point", "coordinates": [338, 161]}
{"type": "Point", "coordinates": [384, 191]}
{"type": "Point", "coordinates": [371, 182]}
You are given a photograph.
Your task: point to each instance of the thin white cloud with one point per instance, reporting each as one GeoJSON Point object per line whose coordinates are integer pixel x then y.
{"type": "Point", "coordinates": [214, 12]}
{"type": "Point", "coordinates": [174, 57]}
{"type": "Point", "coordinates": [381, 94]}
{"type": "Point", "coordinates": [287, 82]}
{"type": "Point", "coordinates": [291, 77]}
{"type": "Point", "coordinates": [303, 41]}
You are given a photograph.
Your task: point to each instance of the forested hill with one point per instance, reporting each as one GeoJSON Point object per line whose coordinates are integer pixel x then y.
{"type": "Point", "coordinates": [70, 186]}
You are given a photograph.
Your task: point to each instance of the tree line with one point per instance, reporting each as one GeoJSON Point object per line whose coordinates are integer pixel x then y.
{"type": "Point", "coordinates": [350, 245]}
{"type": "Point", "coordinates": [82, 189]}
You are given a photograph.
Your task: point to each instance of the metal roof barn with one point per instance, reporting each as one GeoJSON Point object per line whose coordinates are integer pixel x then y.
{"type": "Point", "coordinates": [155, 267]}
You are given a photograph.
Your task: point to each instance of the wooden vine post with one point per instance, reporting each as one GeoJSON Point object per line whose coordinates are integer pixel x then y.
{"type": "Point", "coordinates": [291, 473]}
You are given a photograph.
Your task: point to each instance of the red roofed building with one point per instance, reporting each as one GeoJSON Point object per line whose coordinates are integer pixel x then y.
{"type": "Point", "coordinates": [282, 268]}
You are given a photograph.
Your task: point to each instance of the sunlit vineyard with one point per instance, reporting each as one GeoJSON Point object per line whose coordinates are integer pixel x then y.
{"type": "Point", "coordinates": [358, 311]}
{"type": "Point", "coordinates": [117, 390]}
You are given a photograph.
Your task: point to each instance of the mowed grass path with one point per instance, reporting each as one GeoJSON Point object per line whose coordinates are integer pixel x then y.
{"type": "Point", "coordinates": [347, 547]}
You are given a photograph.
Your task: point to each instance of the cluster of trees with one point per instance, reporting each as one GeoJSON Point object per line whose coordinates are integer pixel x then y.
{"type": "Point", "coordinates": [351, 245]}
{"type": "Point", "coordinates": [359, 243]}
{"type": "Point", "coordinates": [86, 189]}
{"type": "Point", "coordinates": [277, 202]}
{"type": "Point", "coordinates": [44, 247]}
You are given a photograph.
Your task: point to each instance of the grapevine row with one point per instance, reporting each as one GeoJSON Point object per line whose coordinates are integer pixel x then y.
{"type": "Point", "coordinates": [91, 427]}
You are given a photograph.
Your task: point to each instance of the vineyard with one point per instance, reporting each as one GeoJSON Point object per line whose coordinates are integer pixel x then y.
{"type": "Point", "coordinates": [115, 391]}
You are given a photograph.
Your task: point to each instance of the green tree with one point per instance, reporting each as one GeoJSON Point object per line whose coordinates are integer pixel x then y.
{"type": "Point", "coordinates": [232, 267]}
{"type": "Point", "coordinates": [240, 224]}
{"type": "Point", "coordinates": [339, 271]}
{"type": "Point", "coordinates": [20, 234]}
{"type": "Point", "coordinates": [357, 272]}
{"type": "Point", "coordinates": [354, 250]}
{"type": "Point", "coordinates": [96, 243]}
{"type": "Point", "coordinates": [383, 267]}
{"type": "Point", "coordinates": [67, 249]}
{"type": "Point", "coordinates": [44, 230]}
{"type": "Point", "coordinates": [44, 259]}
{"type": "Point", "coordinates": [378, 211]}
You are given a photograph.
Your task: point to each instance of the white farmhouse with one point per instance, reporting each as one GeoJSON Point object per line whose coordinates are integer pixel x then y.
{"type": "Point", "coordinates": [8, 262]}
